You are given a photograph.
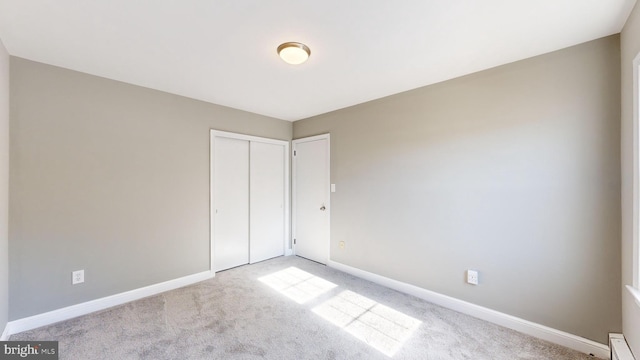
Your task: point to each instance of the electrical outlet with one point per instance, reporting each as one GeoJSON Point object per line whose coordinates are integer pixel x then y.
{"type": "Point", "coordinates": [472, 277]}
{"type": "Point", "coordinates": [341, 244]}
{"type": "Point", "coordinates": [77, 277]}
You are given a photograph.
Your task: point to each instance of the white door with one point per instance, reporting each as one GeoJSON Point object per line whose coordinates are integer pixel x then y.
{"type": "Point", "coordinates": [267, 196]}
{"type": "Point", "coordinates": [231, 194]}
{"type": "Point", "coordinates": [249, 199]}
{"type": "Point", "coordinates": [311, 197]}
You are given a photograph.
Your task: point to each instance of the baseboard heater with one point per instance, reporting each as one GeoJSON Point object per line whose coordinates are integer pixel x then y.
{"type": "Point", "coordinates": [619, 348]}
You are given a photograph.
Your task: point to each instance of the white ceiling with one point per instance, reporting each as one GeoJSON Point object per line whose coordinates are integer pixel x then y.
{"type": "Point", "coordinates": [224, 52]}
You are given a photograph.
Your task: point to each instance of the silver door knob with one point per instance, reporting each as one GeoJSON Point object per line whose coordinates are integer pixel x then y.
{"type": "Point", "coordinates": [322, 208]}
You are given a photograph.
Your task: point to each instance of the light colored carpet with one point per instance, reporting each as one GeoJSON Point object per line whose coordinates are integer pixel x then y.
{"type": "Point", "coordinates": [288, 308]}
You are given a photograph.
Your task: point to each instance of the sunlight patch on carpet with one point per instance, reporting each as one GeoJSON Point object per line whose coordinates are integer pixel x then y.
{"type": "Point", "coordinates": [381, 327]}
{"type": "Point", "coordinates": [297, 285]}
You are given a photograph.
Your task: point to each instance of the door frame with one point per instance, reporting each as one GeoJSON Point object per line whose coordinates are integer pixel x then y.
{"type": "Point", "coordinates": [287, 210]}
{"type": "Point", "coordinates": [327, 190]}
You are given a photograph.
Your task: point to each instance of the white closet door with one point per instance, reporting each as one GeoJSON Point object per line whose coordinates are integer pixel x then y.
{"type": "Point", "coordinates": [267, 201]}
{"type": "Point", "coordinates": [231, 196]}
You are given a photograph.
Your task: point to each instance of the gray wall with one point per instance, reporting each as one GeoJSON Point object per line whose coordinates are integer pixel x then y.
{"type": "Point", "coordinates": [513, 171]}
{"type": "Point", "coordinates": [630, 47]}
{"type": "Point", "coordinates": [4, 186]}
{"type": "Point", "coordinates": [110, 178]}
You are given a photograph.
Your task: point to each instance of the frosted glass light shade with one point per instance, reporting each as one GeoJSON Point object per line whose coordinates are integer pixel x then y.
{"type": "Point", "coordinates": [294, 53]}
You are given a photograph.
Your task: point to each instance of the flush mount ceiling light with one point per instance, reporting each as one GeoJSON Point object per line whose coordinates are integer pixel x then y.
{"type": "Point", "coordinates": [294, 53]}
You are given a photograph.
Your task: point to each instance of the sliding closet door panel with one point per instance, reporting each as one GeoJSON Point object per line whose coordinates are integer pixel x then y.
{"type": "Point", "coordinates": [231, 201]}
{"type": "Point", "coordinates": [267, 194]}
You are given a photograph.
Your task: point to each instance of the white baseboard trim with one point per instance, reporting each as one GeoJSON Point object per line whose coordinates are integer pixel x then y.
{"type": "Point", "coordinates": [524, 326]}
{"type": "Point", "coordinates": [51, 317]}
